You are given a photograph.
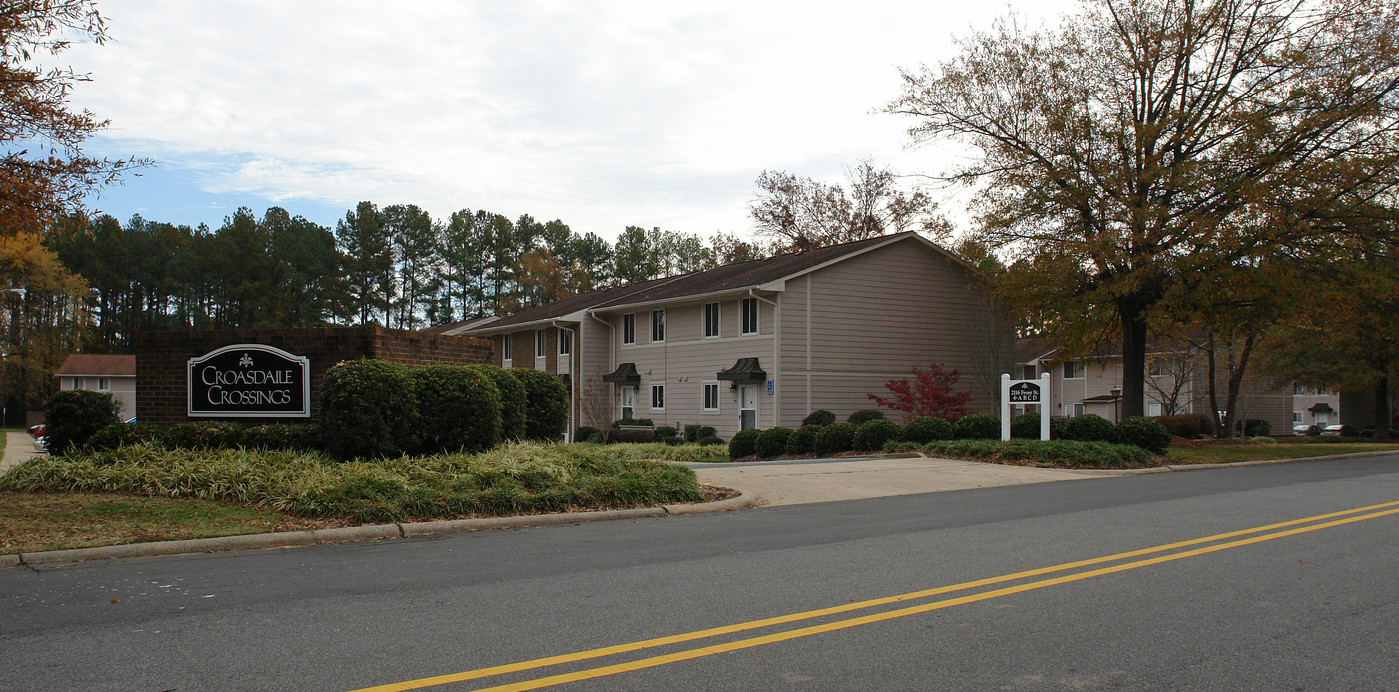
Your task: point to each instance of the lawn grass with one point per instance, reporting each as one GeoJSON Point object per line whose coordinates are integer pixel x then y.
{"type": "Point", "coordinates": [1225, 454]}
{"type": "Point", "coordinates": [36, 521]}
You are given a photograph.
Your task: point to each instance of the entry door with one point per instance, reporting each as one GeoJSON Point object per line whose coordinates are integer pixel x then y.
{"type": "Point", "coordinates": [628, 402]}
{"type": "Point", "coordinates": [747, 406]}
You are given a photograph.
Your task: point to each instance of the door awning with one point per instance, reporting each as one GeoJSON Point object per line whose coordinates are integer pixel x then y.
{"type": "Point", "coordinates": [624, 374]}
{"type": "Point", "coordinates": [1322, 407]}
{"type": "Point", "coordinates": [746, 369]}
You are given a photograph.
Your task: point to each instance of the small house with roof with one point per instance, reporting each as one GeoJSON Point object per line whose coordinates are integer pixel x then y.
{"type": "Point", "coordinates": [758, 344]}
{"type": "Point", "coordinates": [108, 374]}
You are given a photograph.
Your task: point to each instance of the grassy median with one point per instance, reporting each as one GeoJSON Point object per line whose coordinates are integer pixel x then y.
{"type": "Point", "coordinates": [287, 489]}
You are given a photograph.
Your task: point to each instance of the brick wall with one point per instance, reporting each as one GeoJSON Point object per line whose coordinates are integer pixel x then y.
{"type": "Point", "coordinates": [162, 358]}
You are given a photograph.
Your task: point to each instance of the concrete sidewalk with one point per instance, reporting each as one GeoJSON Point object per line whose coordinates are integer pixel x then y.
{"type": "Point", "coordinates": [830, 480]}
{"type": "Point", "coordinates": [19, 448]}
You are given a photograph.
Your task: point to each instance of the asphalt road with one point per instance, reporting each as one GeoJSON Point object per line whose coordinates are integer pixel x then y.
{"type": "Point", "coordinates": [1310, 605]}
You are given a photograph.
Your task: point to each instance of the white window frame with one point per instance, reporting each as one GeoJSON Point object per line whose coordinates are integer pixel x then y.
{"type": "Point", "coordinates": [629, 329]}
{"type": "Point", "coordinates": [565, 342]}
{"type": "Point", "coordinates": [704, 396]}
{"type": "Point", "coordinates": [506, 348]}
{"type": "Point", "coordinates": [79, 382]}
{"type": "Point", "coordinates": [1296, 417]}
{"type": "Point", "coordinates": [658, 326]}
{"type": "Point", "coordinates": [1080, 367]}
{"type": "Point", "coordinates": [657, 387]}
{"type": "Point", "coordinates": [743, 317]}
{"type": "Point", "coordinates": [104, 384]}
{"type": "Point", "coordinates": [541, 343]}
{"type": "Point", "coordinates": [1073, 410]}
{"type": "Point", "coordinates": [704, 316]}
{"type": "Point", "coordinates": [1160, 410]}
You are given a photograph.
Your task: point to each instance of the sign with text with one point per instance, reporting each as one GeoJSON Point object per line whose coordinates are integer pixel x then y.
{"type": "Point", "coordinates": [1025, 392]}
{"type": "Point", "coordinates": [249, 381]}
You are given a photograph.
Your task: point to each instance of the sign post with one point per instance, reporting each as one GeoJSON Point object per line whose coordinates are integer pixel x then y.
{"type": "Point", "coordinates": [1025, 392]}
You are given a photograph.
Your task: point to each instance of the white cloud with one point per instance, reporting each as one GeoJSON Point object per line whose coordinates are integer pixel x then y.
{"type": "Point", "coordinates": [600, 113]}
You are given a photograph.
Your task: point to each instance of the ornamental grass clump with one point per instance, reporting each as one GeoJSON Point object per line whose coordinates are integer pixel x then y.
{"type": "Point", "coordinates": [1068, 453]}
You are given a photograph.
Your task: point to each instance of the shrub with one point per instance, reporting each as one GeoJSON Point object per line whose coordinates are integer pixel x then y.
{"type": "Point", "coordinates": [925, 429]}
{"type": "Point", "coordinates": [711, 440]}
{"type": "Point", "coordinates": [367, 409]}
{"type": "Point", "coordinates": [865, 415]}
{"type": "Point", "coordinates": [304, 437]}
{"type": "Point", "coordinates": [75, 415]}
{"type": "Point", "coordinates": [870, 436]}
{"type": "Point", "coordinates": [772, 442]}
{"type": "Point", "coordinates": [671, 440]}
{"type": "Point", "coordinates": [124, 435]}
{"type": "Point", "coordinates": [546, 405]}
{"type": "Point", "coordinates": [1057, 452]}
{"type": "Point", "coordinates": [513, 401]}
{"type": "Point", "coordinates": [1027, 426]}
{"type": "Point", "coordinates": [803, 439]}
{"type": "Point", "coordinates": [634, 435]}
{"type": "Point", "coordinates": [819, 417]}
{"type": "Point", "coordinates": [458, 409]}
{"type": "Point", "coordinates": [745, 443]}
{"type": "Point", "coordinates": [835, 438]}
{"type": "Point", "coordinates": [630, 421]}
{"type": "Point", "coordinates": [1090, 427]}
{"type": "Point", "coordinates": [1146, 433]}
{"type": "Point", "coordinates": [691, 432]}
{"type": "Point", "coordinates": [1254, 427]}
{"type": "Point", "coordinates": [707, 431]}
{"type": "Point", "coordinates": [584, 432]}
{"type": "Point", "coordinates": [665, 431]}
{"type": "Point", "coordinates": [1187, 425]}
{"type": "Point", "coordinates": [977, 426]}
{"type": "Point", "coordinates": [204, 434]}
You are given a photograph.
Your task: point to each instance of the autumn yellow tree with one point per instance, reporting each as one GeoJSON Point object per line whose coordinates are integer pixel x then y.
{"type": "Point", "coordinates": [42, 325]}
{"type": "Point", "coordinates": [1127, 153]}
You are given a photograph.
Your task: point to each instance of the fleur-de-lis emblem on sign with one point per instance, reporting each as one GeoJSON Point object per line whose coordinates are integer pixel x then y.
{"type": "Point", "coordinates": [247, 360]}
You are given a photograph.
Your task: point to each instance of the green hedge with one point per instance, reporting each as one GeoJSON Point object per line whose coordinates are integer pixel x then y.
{"type": "Point", "coordinates": [1057, 452]}
{"type": "Point", "coordinates": [835, 438]}
{"type": "Point", "coordinates": [546, 405]}
{"type": "Point", "coordinates": [977, 426]}
{"type": "Point", "coordinates": [1090, 427]}
{"type": "Point", "coordinates": [871, 435]}
{"type": "Point", "coordinates": [74, 415]}
{"type": "Point", "coordinates": [209, 435]}
{"type": "Point", "coordinates": [1146, 433]}
{"type": "Point", "coordinates": [772, 442]}
{"type": "Point", "coordinates": [819, 417]}
{"type": "Point", "coordinates": [865, 415]}
{"type": "Point", "coordinates": [367, 409]}
{"type": "Point", "coordinates": [803, 440]}
{"type": "Point", "coordinates": [458, 409]}
{"type": "Point", "coordinates": [744, 443]}
{"type": "Point", "coordinates": [925, 429]}
{"type": "Point", "coordinates": [513, 401]}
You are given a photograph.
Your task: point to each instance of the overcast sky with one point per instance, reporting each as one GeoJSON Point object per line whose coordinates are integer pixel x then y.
{"type": "Point", "coordinates": [602, 114]}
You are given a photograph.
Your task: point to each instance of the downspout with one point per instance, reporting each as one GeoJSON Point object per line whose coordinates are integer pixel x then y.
{"type": "Point", "coordinates": [573, 375]}
{"type": "Point", "coordinates": [776, 365]}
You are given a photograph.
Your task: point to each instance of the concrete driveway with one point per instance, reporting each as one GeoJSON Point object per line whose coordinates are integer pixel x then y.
{"type": "Point", "coordinates": [828, 480]}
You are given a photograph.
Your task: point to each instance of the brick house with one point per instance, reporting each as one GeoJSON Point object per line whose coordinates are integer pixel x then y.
{"type": "Point", "coordinates": [760, 343]}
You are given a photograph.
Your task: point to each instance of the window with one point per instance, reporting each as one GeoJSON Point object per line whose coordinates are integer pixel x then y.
{"type": "Point", "coordinates": [658, 325]}
{"type": "Point", "coordinates": [79, 383]}
{"type": "Point", "coordinates": [1153, 368]}
{"type": "Point", "coordinates": [565, 342]}
{"type": "Point", "coordinates": [505, 348]}
{"type": "Point", "coordinates": [540, 343]}
{"type": "Point", "coordinates": [1030, 372]}
{"type": "Point", "coordinates": [750, 316]}
{"type": "Point", "coordinates": [711, 396]}
{"type": "Point", "coordinates": [1073, 370]}
{"type": "Point", "coordinates": [628, 329]}
{"type": "Point", "coordinates": [1071, 410]}
{"type": "Point", "coordinates": [711, 320]}
{"type": "Point", "coordinates": [1297, 388]}
{"type": "Point", "coordinates": [1153, 409]}
{"type": "Point", "coordinates": [657, 397]}
{"type": "Point", "coordinates": [1296, 416]}
{"type": "Point", "coordinates": [103, 384]}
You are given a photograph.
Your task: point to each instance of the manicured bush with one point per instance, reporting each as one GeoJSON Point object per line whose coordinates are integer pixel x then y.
{"type": "Point", "coordinates": [1146, 433]}
{"type": "Point", "coordinates": [513, 401]}
{"type": "Point", "coordinates": [772, 442]}
{"type": "Point", "coordinates": [865, 415]}
{"type": "Point", "coordinates": [803, 439]}
{"type": "Point", "coordinates": [870, 436]}
{"type": "Point", "coordinates": [1090, 427]}
{"type": "Point", "coordinates": [303, 437]}
{"type": "Point", "coordinates": [1027, 426]}
{"type": "Point", "coordinates": [691, 432]}
{"type": "Point", "coordinates": [1253, 427]}
{"type": "Point", "coordinates": [1070, 453]}
{"type": "Point", "coordinates": [925, 429]}
{"type": "Point", "coordinates": [835, 438]}
{"type": "Point", "coordinates": [666, 431]}
{"type": "Point", "coordinates": [75, 415]}
{"type": "Point", "coordinates": [711, 440]}
{"type": "Point", "coordinates": [367, 409]}
{"type": "Point", "coordinates": [458, 409]}
{"type": "Point", "coordinates": [633, 435]}
{"type": "Point", "coordinates": [745, 443]}
{"type": "Point", "coordinates": [1187, 425]}
{"type": "Point", "coordinates": [546, 405]}
{"type": "Point", "coordinates": [583, 432]}
{"type": "Point", "coordinates": [706, 431]}
{"type": "Point", "coordinates": [819, 417]}
{"type": "Point", "coordinates": [630, 421]}
{"type": "Point", "coordinates": [977, 426]}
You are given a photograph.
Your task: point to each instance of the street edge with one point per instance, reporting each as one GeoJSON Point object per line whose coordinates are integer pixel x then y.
{"type": "Point", "coordinates": [294, 539]}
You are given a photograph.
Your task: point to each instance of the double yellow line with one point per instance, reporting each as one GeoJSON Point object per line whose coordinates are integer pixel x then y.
{"type": "Point", "coordinates": [1208, 544]}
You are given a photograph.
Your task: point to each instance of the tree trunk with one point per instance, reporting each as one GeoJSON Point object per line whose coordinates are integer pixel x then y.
{"type": "Point", "coordinates": [1213, 418]}
{"type": "Point", "coordinates": [1383, 416]}
{"type": "Point", "coordinates": [1133, 357]}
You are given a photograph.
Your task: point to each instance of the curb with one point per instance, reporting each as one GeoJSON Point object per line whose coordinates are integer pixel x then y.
{"type": "Point", "coordinates": [1268, 462]}
{"type": "Point", "coordinates": [294, 539]}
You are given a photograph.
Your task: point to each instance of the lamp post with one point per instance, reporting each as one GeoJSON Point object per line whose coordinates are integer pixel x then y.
{"type": "Point", "coordinates": [1116, 398]}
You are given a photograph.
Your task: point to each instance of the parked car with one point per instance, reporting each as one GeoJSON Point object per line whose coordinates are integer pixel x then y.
{"type": "Point", "coordinates": [38, 432]}
{"type": "Point", "coordinates": [1339, 430]}
{"type": "Point", "coordinates": [1304, 429]}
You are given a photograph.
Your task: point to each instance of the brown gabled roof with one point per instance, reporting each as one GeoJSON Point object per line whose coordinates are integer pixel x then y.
{"type": "Point", "coordinates": [92, 364]}
{"type": "Point", "coordinates": [459, 326]}
{"type": "Point", "coordinates": [730, 277]}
